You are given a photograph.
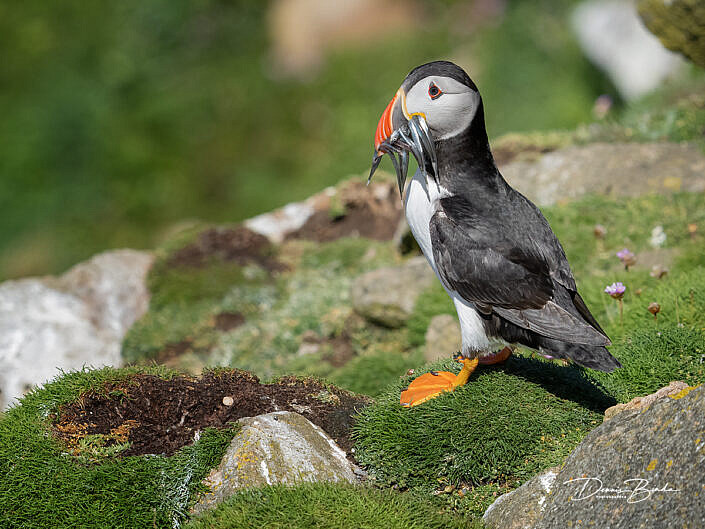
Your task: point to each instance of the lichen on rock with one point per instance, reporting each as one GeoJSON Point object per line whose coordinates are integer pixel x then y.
{"type": "Point", "coordinates": [276, 448]}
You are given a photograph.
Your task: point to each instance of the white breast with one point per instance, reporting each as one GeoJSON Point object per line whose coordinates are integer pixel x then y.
{"type": "Point", "coordinates": [419, 210]}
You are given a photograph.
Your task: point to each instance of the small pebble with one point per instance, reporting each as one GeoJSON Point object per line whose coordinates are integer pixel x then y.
{"type": "Point", "coordinates": [228, 401]}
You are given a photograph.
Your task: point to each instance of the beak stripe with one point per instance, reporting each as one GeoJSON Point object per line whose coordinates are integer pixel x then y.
{"type": "Point", "coordinates": [385, 127]}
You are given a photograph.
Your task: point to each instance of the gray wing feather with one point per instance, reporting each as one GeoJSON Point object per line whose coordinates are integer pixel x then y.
{"type": "Point", "coordinates": [519, 282]}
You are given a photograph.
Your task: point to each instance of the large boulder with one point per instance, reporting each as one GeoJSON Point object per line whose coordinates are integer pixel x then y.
{"type": "Point", "coordinates": [387, 295]}
{"type": "Point", "coordinates": [520, 508]}
{"type": "Point", "coordinates": [68, 322]}
{"type": "Point", "coordinates": [639, 403]}
{"type": "Point", "coordinates": [642, 468]}
{"type": "Point", "coordinates": [626, 169]}
{"type": "Point", "coordinates": [637, 470]}
{"type": "Point", "coordinates": [276, 448]}
{"type": "Point", "coordinates": [679, 25]}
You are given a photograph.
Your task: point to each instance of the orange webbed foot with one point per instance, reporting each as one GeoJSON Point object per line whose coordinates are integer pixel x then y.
{"type": "Point", "coordinates": [430, 385]}
{"type": "Point", "coordinates": [496, 358]}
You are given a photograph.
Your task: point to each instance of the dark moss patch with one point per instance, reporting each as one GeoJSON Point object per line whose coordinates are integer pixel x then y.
{"type": "Point", "coordinates": [238, 245]}
{"type": "Point", "coordinates": [173, 350]}
{"type": "Point", "coordinates": [354, 211]}
{"type": "Point", "coordinates": [157, 416]}
{"type": "Point", "coordinates": [227, 321]}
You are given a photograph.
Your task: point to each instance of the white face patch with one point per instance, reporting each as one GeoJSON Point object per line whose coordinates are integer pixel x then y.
{"type": "Point", "coordinates": [447, 114]}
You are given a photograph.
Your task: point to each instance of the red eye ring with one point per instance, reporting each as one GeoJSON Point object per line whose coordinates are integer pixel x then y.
{"type": "Point", "coordinates": [434, 92]}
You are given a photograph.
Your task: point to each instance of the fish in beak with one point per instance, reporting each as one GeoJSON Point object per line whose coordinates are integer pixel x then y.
{"type": "Point", "coordinates": [398, 134]}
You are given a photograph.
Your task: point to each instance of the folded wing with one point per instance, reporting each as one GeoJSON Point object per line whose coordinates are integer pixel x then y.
{"type": "Point", "coordinates": [523, 281]}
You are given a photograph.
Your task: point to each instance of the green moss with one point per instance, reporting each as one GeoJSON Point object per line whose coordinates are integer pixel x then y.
{"type": "Point", "coordinates": [370, 374]}
{"type": "Point", "coordinates": [354, 255]}
{"type": "Point", "coordinates": [430, 303]}
{"type": "Point", "coordinates": [41, 485]}
{"type": "Point", "coordinates": [328, 506]}
{"type": "Point", "coordinates": [313, 298]}
{"type": "Point", "coordinates": [505, 424]}
{"type": "Point", "coordinates": [651, 358]}
{"type": "Point", "coordinates": [675, 112]}
{"type": "Point", "coordinates": [628, 222]}
{"type": "Point", "coordinates": [185, 299]}
{"type": "Point", "coordinates": [187, 285]}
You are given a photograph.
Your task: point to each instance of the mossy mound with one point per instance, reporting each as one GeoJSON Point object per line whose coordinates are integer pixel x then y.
{"type": "Point", "coordinates": [328, 506]}
{"type": "Point", "coordinates": [223, 296]}
{"type": "Point", "coordinates": [505, 425]}
{"type": "Point", "coordinates": [129, 448]}
{"type": "Point", "coordinates": [45, 483]}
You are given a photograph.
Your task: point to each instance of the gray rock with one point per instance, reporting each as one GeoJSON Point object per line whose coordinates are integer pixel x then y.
{"type": "Point", "coordinates": [521, 508]}
{"type": "Point", "coordinates": [276, 448]}
{"type": "Point", "coordinates": [442, 338]}
{"type": "Point", "coordinates": [614, 38]}
{"type": "Point", "coordinates": [113, 286]}
{"type": "Point", "coordinates": [276, 225]}
{"type": "Point", "coordinates": [661, 449]}
{"type": "Point", "coordinates": [627, 169]}
{"type": "Point", "coordinates": [387, 295]}
{"type": "Point", "coordinates": [636, 403]}
{"type": "Point", "coordinates": [76, 320]}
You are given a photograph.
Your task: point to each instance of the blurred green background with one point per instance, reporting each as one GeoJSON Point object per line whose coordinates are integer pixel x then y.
{"type": "Point", "coordinates": [120, 119]}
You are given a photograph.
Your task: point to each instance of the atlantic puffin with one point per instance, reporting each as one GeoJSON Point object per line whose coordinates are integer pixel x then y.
{"type": "Point", "coordinates": [490, 247]}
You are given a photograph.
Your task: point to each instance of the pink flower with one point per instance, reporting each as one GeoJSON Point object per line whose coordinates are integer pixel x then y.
{"type": "Point", "coordinates": [616, 290]}
{"type": "Point", "coordinates": [627, 257]}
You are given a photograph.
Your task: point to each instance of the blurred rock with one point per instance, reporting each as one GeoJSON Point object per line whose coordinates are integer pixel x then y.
{"type": "Point", "coordinates": [76, 320]}
{"type": "Point", "coordinates": [387, 296]}
{"type": "Point", "coordinates": [626, 169]}
{"type": "Point", "coordinates": [614, 38]}
{"type": "Point", "coordinates": [277, 224]}
{"type": "Point", "coordinates": [442, 338]}
{"type": "Point", "coordinates": [520, 508]}
{"type": "Point", "coordinates": [303, 31]}
{"type": "Point", "coordinates": [112, 285]}
{"type": "Point", "coordinates": [276, 448]}
{"type": "Point", "coordinates": [643, 402]}
{"type": "Point", "coordinates": [642, 468]}
{"type": "Point", "coordinates": [350, 209]}
{"type": "Point", "coordinates": [679, 25]}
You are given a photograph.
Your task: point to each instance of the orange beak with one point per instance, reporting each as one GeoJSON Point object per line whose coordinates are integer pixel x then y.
{"type": "Point", "coordinates": [412, 135]}
{"type": "Point", "coordinates": [385, 126]}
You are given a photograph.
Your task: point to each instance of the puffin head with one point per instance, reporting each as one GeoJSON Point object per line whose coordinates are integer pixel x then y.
{"type": "Point", "coordinates": [437, 101]}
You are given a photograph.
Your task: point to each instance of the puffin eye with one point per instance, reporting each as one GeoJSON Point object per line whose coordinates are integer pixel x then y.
{"type": "Point", "coordinates": [434, 92]}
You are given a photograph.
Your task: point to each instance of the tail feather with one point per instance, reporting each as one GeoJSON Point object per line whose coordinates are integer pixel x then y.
{"type": "Point", "coordinates": [585, 355]}
{"type": "Point", "coordinates": [592, 356]}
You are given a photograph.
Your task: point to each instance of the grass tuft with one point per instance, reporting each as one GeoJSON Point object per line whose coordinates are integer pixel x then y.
{"type": "Point", "coordinates": [506, 424]}
{"type": "Point", "coordinates": [329, 506]}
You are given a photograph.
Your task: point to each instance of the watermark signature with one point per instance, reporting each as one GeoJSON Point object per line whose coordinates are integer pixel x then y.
{"type": "Point", "coordinates": [635, 490]}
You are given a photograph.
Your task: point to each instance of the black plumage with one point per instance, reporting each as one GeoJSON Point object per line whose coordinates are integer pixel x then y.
{"type": "Point", "coordinates": [494, 248]}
